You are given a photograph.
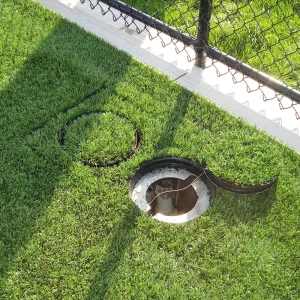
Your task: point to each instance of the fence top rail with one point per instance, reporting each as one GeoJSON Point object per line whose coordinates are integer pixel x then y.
{"type": "Point", "coordinates": [282, 89]}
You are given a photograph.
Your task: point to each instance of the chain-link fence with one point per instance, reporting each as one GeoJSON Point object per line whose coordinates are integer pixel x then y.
{"type": "Point", "coordinates": [259, 39]}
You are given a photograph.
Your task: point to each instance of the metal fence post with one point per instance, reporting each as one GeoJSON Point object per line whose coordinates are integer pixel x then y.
{"type": "Point", "coordinates": [203, 31]}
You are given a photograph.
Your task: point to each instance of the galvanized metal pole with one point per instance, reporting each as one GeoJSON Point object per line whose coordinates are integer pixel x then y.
{"type": "Point", "coordinates": [203, 31]}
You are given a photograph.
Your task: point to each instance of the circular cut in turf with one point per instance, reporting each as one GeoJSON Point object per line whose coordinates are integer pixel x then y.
{"type": "Point", "coordinates": [172, 190]}
{"type": "Point", "coordinates": [247, 162]}
{"type": "Point", "coordinates": [100, 139]}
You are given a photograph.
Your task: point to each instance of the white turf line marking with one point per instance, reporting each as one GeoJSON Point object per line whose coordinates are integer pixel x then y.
{"type": "Point", "coordinates": [220, 90]}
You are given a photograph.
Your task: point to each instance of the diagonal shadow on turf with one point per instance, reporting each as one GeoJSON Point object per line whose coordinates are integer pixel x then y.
{"type": "Point", "coordinates": [123, 236]}
{"type": "Point", "coordinates": [56, 77]}
{"type": "Point", "coordinates": [176, 116]}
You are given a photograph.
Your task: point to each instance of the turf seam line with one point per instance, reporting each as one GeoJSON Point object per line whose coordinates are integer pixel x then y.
{"type": "Point", "coordinates": [66, 110]}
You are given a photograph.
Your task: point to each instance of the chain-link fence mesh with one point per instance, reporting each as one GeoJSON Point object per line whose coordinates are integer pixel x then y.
{"type": "Point", "coordinates": [245, 35]}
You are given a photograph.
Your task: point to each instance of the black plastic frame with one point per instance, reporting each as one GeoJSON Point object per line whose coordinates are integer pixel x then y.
{"type": "Point", "coordinates": [242, 189]}
{"type": "Point", "coordinates": [130, 154]}
{"type": "Point", "coordinates": [208, 177]}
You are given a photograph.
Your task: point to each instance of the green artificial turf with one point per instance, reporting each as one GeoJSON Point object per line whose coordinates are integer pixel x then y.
{"type": "Point", "coordinates": [69, 231]}
{"type": "Point", "coordinates": [263, 34]}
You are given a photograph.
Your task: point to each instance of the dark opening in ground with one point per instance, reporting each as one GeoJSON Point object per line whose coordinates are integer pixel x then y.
{"type": "Point", "coordinates": [172, 196]}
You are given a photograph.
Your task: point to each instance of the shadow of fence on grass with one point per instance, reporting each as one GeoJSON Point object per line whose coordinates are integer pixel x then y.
{"type": "Point", "coordinates": [176, 116]}
{"type": "Point", "coordinates": [28, 181]}
{"type": "Point", "coordinates": [48, 84]}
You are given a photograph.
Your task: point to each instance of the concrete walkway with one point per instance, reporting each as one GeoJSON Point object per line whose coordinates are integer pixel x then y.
{"type": "Point", "coordinates": [265, 115]}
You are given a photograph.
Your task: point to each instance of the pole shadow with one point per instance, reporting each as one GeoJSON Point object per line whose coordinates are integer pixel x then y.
{"type": "Point", "coordinates": [176, 117]}
{"type": "Point", "coordinates": [122, 238]}
{"type": "Point", "coordinates": [124, 234]}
